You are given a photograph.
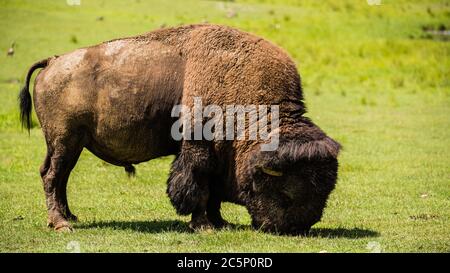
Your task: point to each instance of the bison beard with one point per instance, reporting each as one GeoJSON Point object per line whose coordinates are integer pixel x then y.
{"type": "Point", "coordinates": [115, 99]}
{"type": "Point", "coordinates": [188, 180]}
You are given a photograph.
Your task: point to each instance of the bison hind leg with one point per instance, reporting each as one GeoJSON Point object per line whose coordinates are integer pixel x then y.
{"type": "Point", "coordinates": [62, 155]}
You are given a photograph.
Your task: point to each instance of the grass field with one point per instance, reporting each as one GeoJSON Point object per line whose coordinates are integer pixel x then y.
{"type": "Point", "coordinates": [376, 78]}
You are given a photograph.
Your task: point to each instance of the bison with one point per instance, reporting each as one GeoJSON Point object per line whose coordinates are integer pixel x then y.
{"type": "Point", "coordinates": [116, 100]}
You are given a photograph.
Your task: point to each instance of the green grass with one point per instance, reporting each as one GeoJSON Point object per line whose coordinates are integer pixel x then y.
{"type": "Point", "coordinates": [373, 80]}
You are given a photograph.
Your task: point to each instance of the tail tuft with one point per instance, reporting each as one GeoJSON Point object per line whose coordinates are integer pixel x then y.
{"type": "Point", "coordinates": [131, 171]}
{"type": "Point", "coordinates": [25, 108]}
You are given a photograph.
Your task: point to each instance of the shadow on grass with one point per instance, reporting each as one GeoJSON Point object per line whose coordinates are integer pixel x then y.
{"type": "Point", "coordinates": [140, 226]}
{"type": "Point", "coordinates": [158, 226]}
{"type": "Point", "coordinates": [353, 233]}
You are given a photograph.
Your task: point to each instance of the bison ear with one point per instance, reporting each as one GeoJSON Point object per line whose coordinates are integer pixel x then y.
{"type": "Point", "coordinates": [271, 172]}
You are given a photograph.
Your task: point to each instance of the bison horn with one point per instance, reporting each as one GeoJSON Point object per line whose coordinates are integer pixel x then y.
{"type": "Point", "coordinates": [271, 172]}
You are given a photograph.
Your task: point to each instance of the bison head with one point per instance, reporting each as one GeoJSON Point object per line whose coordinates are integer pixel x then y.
{"type": "Point", "coordinates": [288, 188]}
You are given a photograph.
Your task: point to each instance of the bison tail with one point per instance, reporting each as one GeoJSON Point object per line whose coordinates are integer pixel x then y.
{"type": "Point", "coordinates": [25, 97]}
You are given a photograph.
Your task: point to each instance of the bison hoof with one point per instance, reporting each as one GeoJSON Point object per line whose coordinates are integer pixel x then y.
{"type": "Point", "coordinates": [201, 225]}
{"type": "Point", "coordinates": [63, 227]}
{"type": "Point", "coordinates": [221, 224]}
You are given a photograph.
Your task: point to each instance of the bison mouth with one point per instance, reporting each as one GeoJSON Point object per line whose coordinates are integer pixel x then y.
{"type": "Point", "coordinates": [294, 220]}
{"type": "Point", "coordinates": [280, 221]}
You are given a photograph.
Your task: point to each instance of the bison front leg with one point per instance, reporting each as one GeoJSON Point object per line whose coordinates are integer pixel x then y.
{"type": "Point", "coordinates": [188, 187]}
{"type": "Point", "coordinates": [213, 211]}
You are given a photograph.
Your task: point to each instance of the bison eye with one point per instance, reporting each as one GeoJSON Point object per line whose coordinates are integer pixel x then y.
{"type": "Point", "coordinates": [286, 199]}
{"type": "Point", "coordinates": [289, 194]}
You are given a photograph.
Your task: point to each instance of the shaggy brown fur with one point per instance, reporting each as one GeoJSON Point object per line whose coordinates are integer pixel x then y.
{"type": "Point", "coordinates": [115, 99]}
